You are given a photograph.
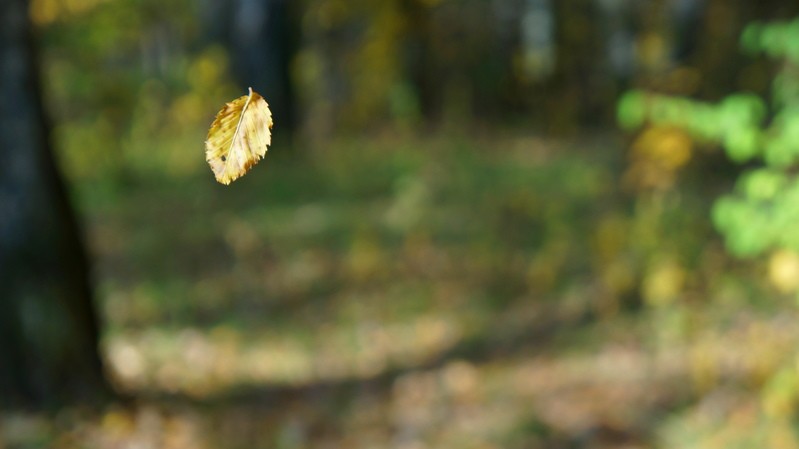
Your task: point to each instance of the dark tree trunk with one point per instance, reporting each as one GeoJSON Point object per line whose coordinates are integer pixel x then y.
{"type": "Point", "coordinates": [459, 57]}
{"type": "Point", "coordinates": [262, 38]}
{"type": "Point", "coordinates": [582, 87]}
{"type": "Point", "coordinates": [417, 58]}
{"type": "Point", "coordinates": [48, 326]}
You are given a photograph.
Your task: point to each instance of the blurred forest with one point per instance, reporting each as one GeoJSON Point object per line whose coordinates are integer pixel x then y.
{"type": "Point", "coordinates": [482, 224]}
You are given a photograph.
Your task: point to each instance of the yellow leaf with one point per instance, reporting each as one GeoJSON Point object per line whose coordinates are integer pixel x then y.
{"type": "Point", "coordinates": [239, 137]}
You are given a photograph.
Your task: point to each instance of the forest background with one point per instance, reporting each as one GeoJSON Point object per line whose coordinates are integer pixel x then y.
{"type": "Point", "coordinates": [481, 224]}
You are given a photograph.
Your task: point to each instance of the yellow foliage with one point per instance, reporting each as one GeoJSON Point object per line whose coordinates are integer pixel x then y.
{"type": "Point", "coordinates": [652, 50]}
{"type": "Point", "coordinates": [45, 12]}
{"type": "Point", "coordinates": [373, 69]}
{"type": "Point", "coordinates": [187, 109]}
{"type": "Point", "coordinates": [239, 137]}
{"type": "Point", "coordinates": [610, 238]}
{"type": "Point", "coordinates": [208, 70]}
{"type": "Point", "coordinates": [783, 271]}
{"type": "Point", "coordinates": [656, 156]}
{"type": "Point", "coordinates": [663, 282]}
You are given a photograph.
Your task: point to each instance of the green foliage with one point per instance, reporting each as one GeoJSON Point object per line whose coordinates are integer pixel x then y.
{"type": "Point", "coordinates": [760, 216]}
{"type": "Point", "coordinates": [763, 211]}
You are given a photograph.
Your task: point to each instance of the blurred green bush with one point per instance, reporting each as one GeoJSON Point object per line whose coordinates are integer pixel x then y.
{"type": "Point", "coordinates": [762, 134]}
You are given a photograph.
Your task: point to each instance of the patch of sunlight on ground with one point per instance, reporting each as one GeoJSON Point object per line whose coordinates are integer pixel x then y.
{"type": "Point", "coordinates": [204, 362]}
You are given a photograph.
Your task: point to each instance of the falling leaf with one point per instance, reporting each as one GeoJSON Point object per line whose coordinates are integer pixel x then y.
{"type": "Point", "coordinates": [239, 137]}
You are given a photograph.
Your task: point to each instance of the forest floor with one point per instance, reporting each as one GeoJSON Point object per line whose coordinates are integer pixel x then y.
{"type": "Point", "coordinates": [417, 293]}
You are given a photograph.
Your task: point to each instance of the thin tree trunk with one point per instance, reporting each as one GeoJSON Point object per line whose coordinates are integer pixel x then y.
{"type": "Point", "coordinates": [48, 325]}
{"type": "Point", "coordinates": [581, 87]}
{"type": "Point", "coordinates": [262, 39]}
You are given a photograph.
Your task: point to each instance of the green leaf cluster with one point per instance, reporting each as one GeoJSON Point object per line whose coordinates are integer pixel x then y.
{"type": "Point", "coordinates": [762, 213]}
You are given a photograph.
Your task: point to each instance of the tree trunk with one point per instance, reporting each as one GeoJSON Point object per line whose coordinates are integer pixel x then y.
{"type": "Point", "coordinates": [261, 36]}
{"type": "Point", "coordinates": [48, 326]}
{"type": "Point", "coordinates": [581, 88]}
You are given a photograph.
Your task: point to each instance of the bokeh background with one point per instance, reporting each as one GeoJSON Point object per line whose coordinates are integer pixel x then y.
{"type": "Point", "coordinates": [481, 224]}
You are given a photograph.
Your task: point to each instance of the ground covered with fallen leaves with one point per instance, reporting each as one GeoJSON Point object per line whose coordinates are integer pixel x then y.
{"type": "Point", "coordinates": [441, 292]}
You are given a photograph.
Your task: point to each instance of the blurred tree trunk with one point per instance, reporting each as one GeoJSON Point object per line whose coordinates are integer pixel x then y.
{"type": "Point", "coordinates": [582, 88]}
{"type": "Point", "coordinates": [48, 326]}
{"type": "Point", "coordinates": [459, 58]}
{"type": "Point", "coordinates": [417, 58]}
{"type": "Point", "coordinates": [261, 36]}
